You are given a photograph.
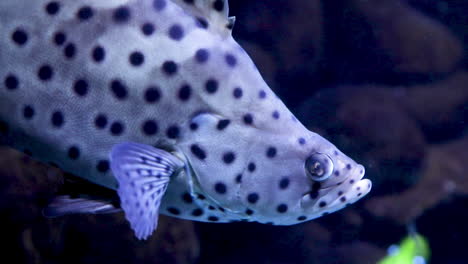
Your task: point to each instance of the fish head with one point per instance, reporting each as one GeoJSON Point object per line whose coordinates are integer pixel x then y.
{"type": "Point", "coordinates": [271, 176]}
{"type": "Point", "coordinates": [306, 178]}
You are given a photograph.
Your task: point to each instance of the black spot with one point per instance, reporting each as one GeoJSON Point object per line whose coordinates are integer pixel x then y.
{"type": "Point", "coordinates": [222, 124]}
{"type": "Point", "coordinates": [45, 73]}
{"type": "Point", "coordinates": [322, 204]}
{"type": "Point", "coordinates": [159, 4]}
{"type": "Point", "coordinates": [176, 32]}
{"type": "Point", "coordinates": [359, 194]}
{"type": "Point", "coordinates": [239, 178]}
{"type": "Point", "coordinates": [348, 166]}
{"type": "Point", "coordinates": [73, 153]}
{"type": "Point", "coordinates": [262, 94]}
{"type": "Point", "coordinates": [59, 38]}
{"type": "Point", "coordinates": [197, 212]}
{"type": "Point", "coordinates": [251, 167]}
{"type": "Point", "coordinates": [220, 188]}
{"type": "Point", "coordinates": [98, 54]}
{"type": "Point", "coordinates": [173, 132]}
{"type": "Point", "coordinates": [249, 212]}
{"type": "Point", "coordinates": [190, 2]}
{"type": "Point", "coordinates": [282, 208]}
{"type": "Point", "coordinates": [173, 211]}
{"type": "Point", "coordinates": [187, 198]}
{"type": "Point", "coordinates": [121, 14]}
{"type": "Point", "coordinates": [202, 55]}
{"type": "Point", "coordinates": [152, 94]}
{"type": "Point", "coordinates": [301, 218]}
{"type": "Point", "coordinates": [20, 37]}
{"type": "Point", "coordinates": [102, 166]}
{"type": "Point", "coordinates": [230, 60]}
{"type": "Point", "coordinates": [284, 183]}
{"type": "Point", "coordinates": [351, 181]}
{"type": "Point", "coordinates": [343, 199]}
{"type": "Point", "coordinates": [253, 198]}
{"type": "Point", "coordinates": [237, 93]}
{"type": "Point", "coordinates": [80, 87]}
{"type": "Point", "coordinates": [248, 119]}
{"type": "Point", "coordinates": [337, 173]}
{"type": "Point", "coordinates": [169, 68]}
{"type": "Point", "coordinates": [52, 8]}
{"type": "Point", "coordinates": [275, 114]}
{"type": "Point", "coordinates": [271, 152]}
{"type": "Point", "coordinates": [184, 92]}
{"type": "Point", "coordinates": [69, 51]}
{"type": "Point", "coordinates": [201, 196]}
{"type": "Point", "coordinates": [147, 29]}
{"type": "Point", "coordinates": [211, 86]}
{"type": "Point", "coordinates": [213, 219]}
{"type": "Point", "coordinates": [211, 208]}
{"type": "Point", "coordinates": [201, 22]}
{"type": "Point", "coordinates": [116, 128]}
{"type": "Point", "coordinates": [221, 209]}
{"type": "Point", "coordinates": [118, 89]}
{"type": "Point", "coordinates": [193, 126]}
{"type": "Point", "coordinates": [198, 152]}
{"type": "Point", "coordinates": [150, 127]}
{"type": "Point", "coordinates": [136, 58]}
{"type": "Point", "coordinates": [100, 121]}
{"type": "Point", "coordinates": [11, 82]}
{"type": "Point", "coordinates": [85, 13]}
{"type": "Point", "coordinates": [340, 193]}
{"type": "Point", "coordinates": [229, 157]}
{"type": "Point", "coordinates": [218, 5]}
{"type": "Point", "coordinates": [57, 119]}
{"type": "Point", "coordinates": [314, 194]}
{"type": "Point", "coordinates": [28, 112]}
{"type": "Point", "coordinates": [301, 141]}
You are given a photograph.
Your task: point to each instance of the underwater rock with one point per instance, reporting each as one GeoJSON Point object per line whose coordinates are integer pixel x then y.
{"type": "Point", "coordinates": [445, 173]}
{"type": "Point", "coordinates": [360, 252]}
{"type": "Point", "coordinates": [375, 117]}
{"type": "Point", "coordinates": [26, 186]}
{"type": "Point", "coordinates": [437, 103]}
{"type": "Point", "coordinates": [292, 30]}
{"type": "Point", "coordinates": [415, 42]}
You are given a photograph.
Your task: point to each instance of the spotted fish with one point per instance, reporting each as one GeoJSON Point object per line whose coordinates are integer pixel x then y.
{"type": "Point", "coordinates": [155, 100]}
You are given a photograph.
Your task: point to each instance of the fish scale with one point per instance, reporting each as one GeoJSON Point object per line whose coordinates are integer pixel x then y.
{"type": "Point", "coordinates": [144, 95]}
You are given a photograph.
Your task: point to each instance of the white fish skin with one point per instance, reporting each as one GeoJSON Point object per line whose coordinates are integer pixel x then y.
{"type": "Point", "coordinates": [81, 78]}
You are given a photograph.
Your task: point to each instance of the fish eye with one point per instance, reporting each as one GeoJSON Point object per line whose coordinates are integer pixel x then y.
{"type": "Point", "coordinates": [319, 166]}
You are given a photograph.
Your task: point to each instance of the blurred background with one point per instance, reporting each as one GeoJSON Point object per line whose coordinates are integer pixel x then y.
{"type": "Point", "coordinates": [384, 80]}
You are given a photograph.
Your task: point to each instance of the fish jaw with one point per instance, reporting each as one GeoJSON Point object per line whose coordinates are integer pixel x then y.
{"type": "Point", "coordinates": [351, 188]}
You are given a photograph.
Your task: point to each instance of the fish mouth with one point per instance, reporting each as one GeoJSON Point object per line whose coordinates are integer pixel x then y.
{"type": "Point", "coordinates": [336, 194]}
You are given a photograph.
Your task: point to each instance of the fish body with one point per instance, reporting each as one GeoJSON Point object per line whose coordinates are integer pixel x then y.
{"type": "Point", "coordinates": [155, 99]}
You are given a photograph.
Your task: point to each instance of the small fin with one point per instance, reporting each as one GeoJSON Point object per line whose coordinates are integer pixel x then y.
{"type": "Point", "coordinates": [64, 204]}
{"type": "Point", "coordinates": [215, 12]}
{"type": "Point", "coordinates": [143, 173]}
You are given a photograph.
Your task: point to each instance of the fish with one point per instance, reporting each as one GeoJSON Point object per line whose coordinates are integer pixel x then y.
{"type": "Point", "coordinates": [156, 102]}
{"type": "Point", "coordinates": [413, 249]}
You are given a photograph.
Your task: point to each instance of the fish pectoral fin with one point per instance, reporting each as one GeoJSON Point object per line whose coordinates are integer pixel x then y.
{"type": "Point", "coordinates": [64, 205]}
{"type": "Point", "coordinates": [143, 173]}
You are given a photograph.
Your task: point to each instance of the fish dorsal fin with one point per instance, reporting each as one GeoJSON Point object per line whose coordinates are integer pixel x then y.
{"type": "Point", "coordinates": [211, 14]}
